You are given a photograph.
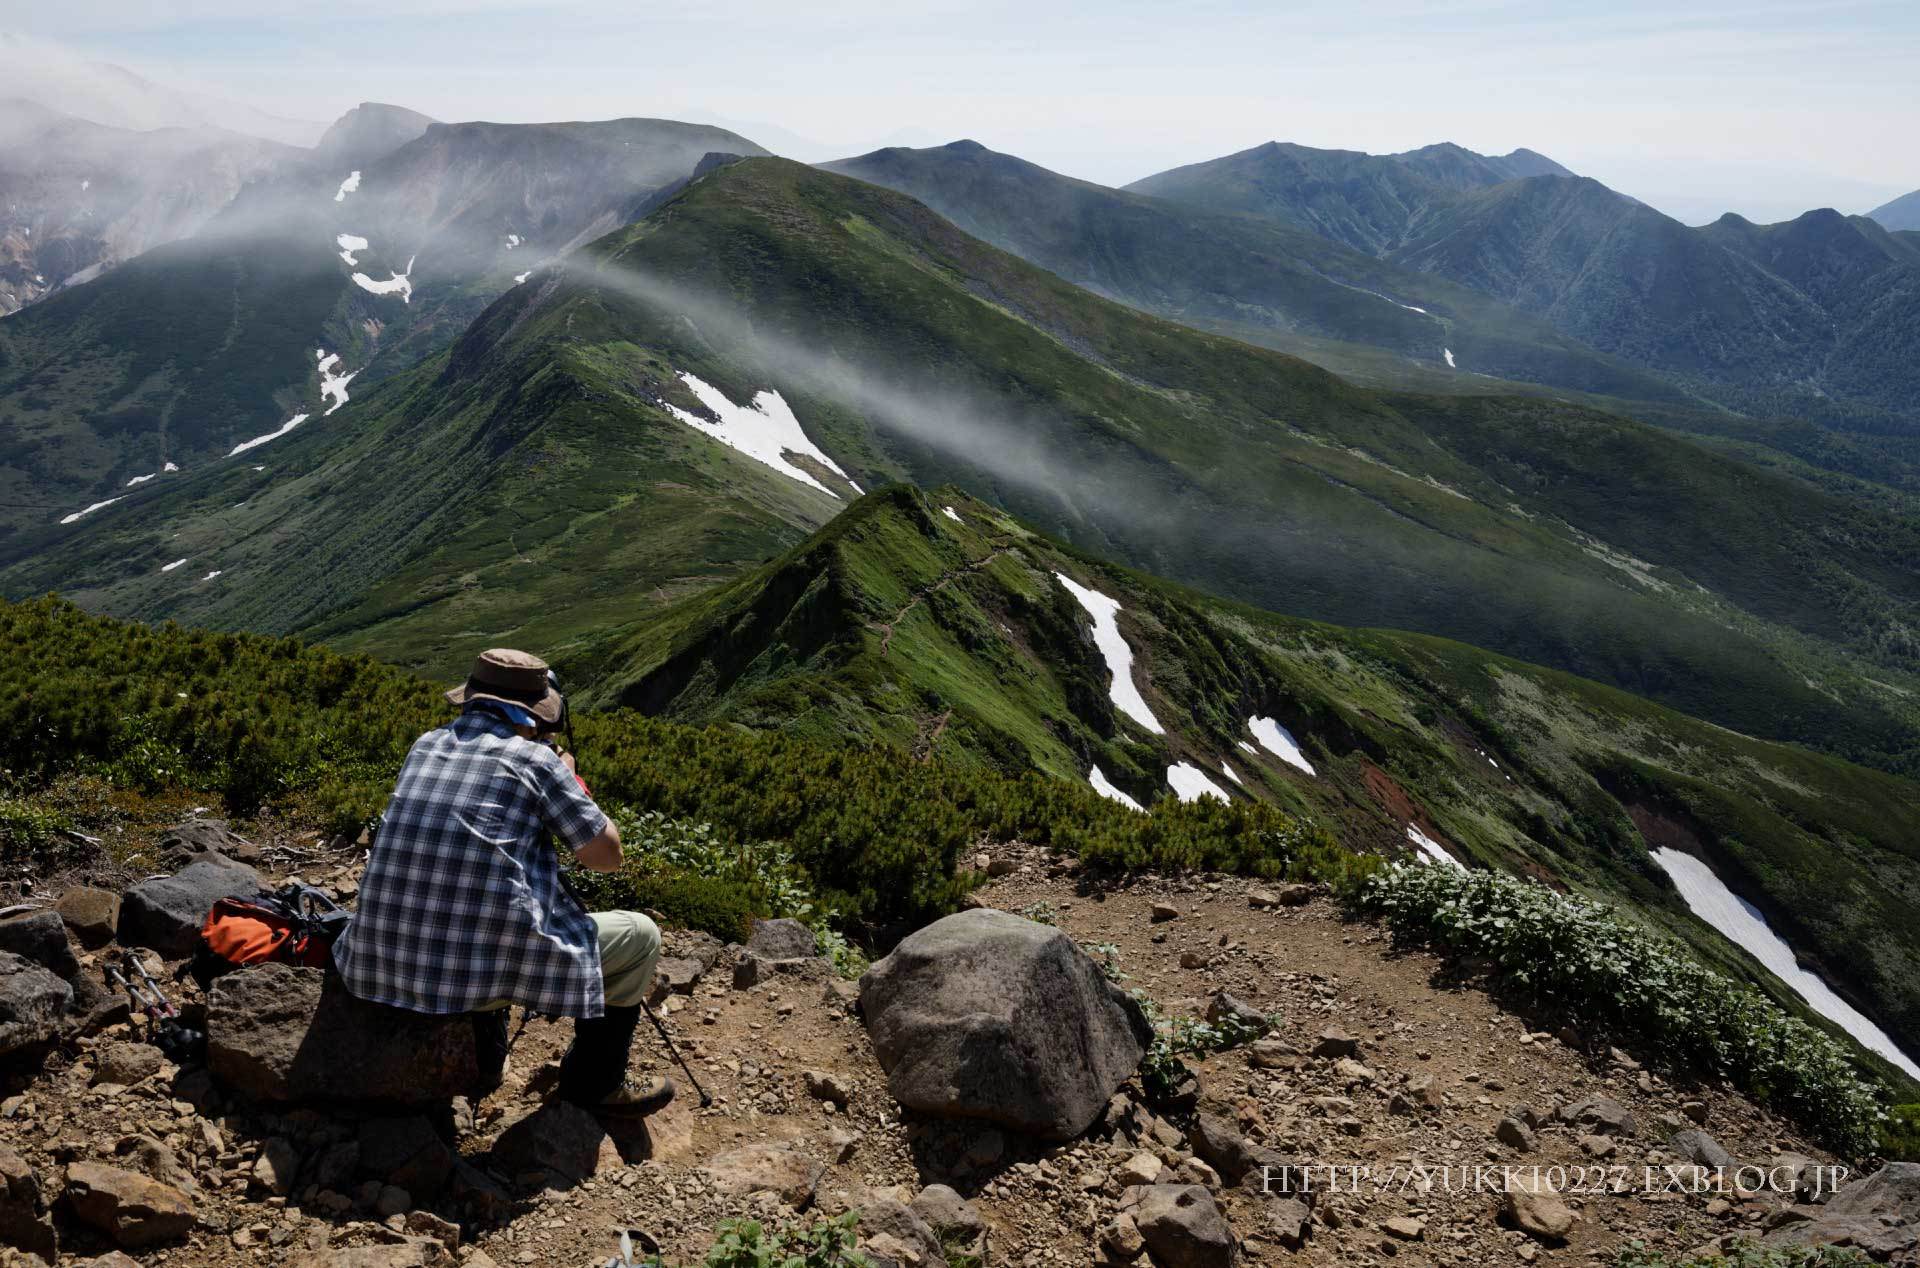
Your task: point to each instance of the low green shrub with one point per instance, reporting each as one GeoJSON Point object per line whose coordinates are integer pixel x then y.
{"type": "Point", "coordinates": [1745, 1254]}
{"type": "Point", "coordinates": [1584, 960]}
{"type": "Point", "coordinates": [1163, 1067]}
{"type": "Point", "coordinates": [30, 831]}
{"type": "Point", "coordinates": [824, 1243]}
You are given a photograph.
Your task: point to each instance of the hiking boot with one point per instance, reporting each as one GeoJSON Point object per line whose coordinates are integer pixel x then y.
{"type": "Point", "coordinates": [635, 1100]}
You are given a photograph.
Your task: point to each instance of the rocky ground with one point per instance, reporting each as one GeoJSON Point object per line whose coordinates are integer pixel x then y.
{"type": "Point", "coordinates": [1375, 1061]}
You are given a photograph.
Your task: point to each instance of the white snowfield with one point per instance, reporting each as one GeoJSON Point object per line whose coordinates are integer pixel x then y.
{"type": "Point", "coordinates": [347, 186]}
{"type": "Point", "coordinates": [513, 240]}
{"type": "Point", "coordinates": [332, 385]}
{"type": "Point", "coordinates": [168, 469]}
{"type": "Point", "coordinates": [1448, 353]}
{"type": "Point", "coordinates": [348, 244]}
{"type": "Point", "coordinates": [275, 434]}
{"type": "Point", "coordinates": [519, 278]}
{"type": "Point", "coordinates": [766, 431]}
{"type": "Point", "coordinates": [88, 510]}
{"type": "Point", "coordinates": [141, 479]}
{"type": "Point", "coordinates": [1106, 789]}
{"type": "Point", "coordinates": [1119, 657]}
{"type": "Point", "coordinates": [1742, 924]}
{"type": "Point", "coordinates": [952, 514]}
{"type": "Point", "coordinates": [1431, 851]}
{"type": "Point", "coordinates": [1232, 774]}
{"type": "Point", "coordinates": [170, 567]}
{"type": "Point", "coordinates": [1278, 741]}
{"type": "Point", "coordinates": [210, 576]}
{"type": "Point", "coordinates": [1190, 783]}
{"type": "Point", "coordinates": [400, 284]}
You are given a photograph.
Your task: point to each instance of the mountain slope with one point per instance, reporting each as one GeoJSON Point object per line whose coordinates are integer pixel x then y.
{"type": "Point", "coordinates": [77, 198]}
{"type": "Point", "coordinates": [906, 350]}
{"type": "Point", "coordinates": [371, 130]}
{"type": "Point", "coordinates": [1902, 213]}
{"type": "Point", "coordinates": [212, 341]}
{"type": "Point", "coordinates": [940, 625]}
{"type": "Point", "coordinates": [1816, 317]}
{"type": "Point", "coordinates": [1282, 287]}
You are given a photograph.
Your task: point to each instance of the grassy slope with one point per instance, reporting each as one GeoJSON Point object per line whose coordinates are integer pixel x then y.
{"type": "Point", "coordinates": [911, 350]}
{"type": "Point", "coordinates": [899, 626]}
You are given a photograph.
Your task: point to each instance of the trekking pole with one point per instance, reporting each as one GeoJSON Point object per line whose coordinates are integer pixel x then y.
{"type": "Point", "coordinates": [667, 1039]}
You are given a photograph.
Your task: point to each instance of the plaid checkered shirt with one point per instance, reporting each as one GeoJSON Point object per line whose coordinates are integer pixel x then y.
{"type": "Point", "coordinates": [462, 904]}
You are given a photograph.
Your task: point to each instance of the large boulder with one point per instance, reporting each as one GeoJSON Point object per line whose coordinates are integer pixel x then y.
{"type": "Point", "coordinates": [1879, 1215]}
{"type": "Point", "coordinates": [782, 939]}
{"type": "Point", "coordinates": [166, 913]}
{"type": "Point", "coordinates": [280, 1033]}
{"type": "Point", "coordinates": [41, 936]}
{"type": "Point", "coordinates": [128, 1207]}
{"type": "Point", "coordinates": [984, 1015]}
{"type": "Point", "coordinates": [25, 1222]}
{"type": "Point", "coordinates": [32, 1003]}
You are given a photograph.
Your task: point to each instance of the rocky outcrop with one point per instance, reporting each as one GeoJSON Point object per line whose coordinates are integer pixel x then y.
{"type": "Point", "coordinates": [166, 914]}
{"type": "Point", "coordinates": [280, 1033]}
{"type": "Point", "coordinates": [132, 1209]}
{"type": "Point", "coordinates": [41, 936]}
{"type": "Point", "coordinates": [1879, 1215]}
{"type": "Point", "coordinates": [984, 1015]}
{"type": "Point", "coordinates": [92, 914]}
{"type": "Point", "coordinates": [32, 1003]}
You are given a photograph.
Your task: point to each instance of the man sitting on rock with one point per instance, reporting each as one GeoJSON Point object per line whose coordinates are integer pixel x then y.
{"type": "Point", "coordinates": [462, 908]}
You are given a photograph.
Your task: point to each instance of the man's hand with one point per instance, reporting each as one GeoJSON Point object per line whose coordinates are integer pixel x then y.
{"type": "Point", "coordinates": [602, 854]}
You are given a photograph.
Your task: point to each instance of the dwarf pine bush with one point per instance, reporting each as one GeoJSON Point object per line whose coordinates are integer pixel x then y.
{"type": "Point", "coordinates": [1582, 959]}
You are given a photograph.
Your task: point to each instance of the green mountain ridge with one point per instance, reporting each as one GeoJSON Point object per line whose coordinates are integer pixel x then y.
{"type": "Point", "coordinates": [533, 484]}
{"type": "Point", "coordinates": [936, 624]}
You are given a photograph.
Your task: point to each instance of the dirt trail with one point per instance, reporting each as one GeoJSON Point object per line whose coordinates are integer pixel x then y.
{"type": "Point", "coordinates": [753, 1048]}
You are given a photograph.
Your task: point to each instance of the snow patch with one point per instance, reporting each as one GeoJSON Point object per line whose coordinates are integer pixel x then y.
{"type": "Point", "coordinates": [1190, 783]}
{"type": "Point", "coordinates": [952, 514]}
{"type": "Point", "coordinates": [170, 567]}
{"type": "Point", "coordinates": [1448, 354]}
{"type": "Point", "coordinates": [1119, 657]}
{"type": "Point", "coordinates": [1279, 741]}
{"type": "Point", "coordinates": [766, 431]}
{"type": "Point", "coordinates": [85, 186]}
{"type": "Point", "coordinates": [275, 434]}
{"type": "Point", "coordinates": [396, 284]}
{"type": "Point", "coordinates": [141, 479]}
{"type": "Point", "coordinates": [347, 186]}
{"type": "Point", "coordinates": [85, 511]}
{"type": "Point", "coordinates": [1106, 789]}
{"type": "Point", "coordinates": [348, 244]}
{"type": "Point", "coordinates": [513, 240]}
{"type": "Point", "coordinates": [210, 576]}
{"type": "Point", "coordinates": [1232, 774]}
{"type": "Point", "coordinates": [331, 384]}
{"type": "Point", "coordinates": [1250, 748]}
{"type": "Point", "coordinates": [168, 468]}
{"type": "Point", "coordinates": [1708, 897]}
{"type": "Point", "coordinates": [519, 278]}
{"type": "Point", "coordinates": [1431, 851]}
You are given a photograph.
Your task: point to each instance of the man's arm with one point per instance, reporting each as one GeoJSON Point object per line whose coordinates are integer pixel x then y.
{"type": "Point", "coordinates": [569, 805]}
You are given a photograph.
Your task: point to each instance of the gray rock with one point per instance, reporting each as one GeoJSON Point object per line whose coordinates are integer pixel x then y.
{"type": "Point", "coordinates": [678, 976]}
{"type": "Point", "coordinates": [41, 936]}
{"type": "Point", "coordinates": [952, 1218]}
{"type": "Point", "coordinates": [1531, 1205]}
{"type": "Point", "coordinates": [280, 1033]}
{"type": "Point", "coordinates": [1879, 1215]}
{"type": "Point", "coordinates": [1696, 1146]}
{"type": "Point", "coordinates": [92, 914]}
{"type": "Point", "coordinates": [563, 1141]}
{"type": "Point", "coordinates": [1183, 1227]}
{"type": "Point", "coordinates": [127, 1063]}
{"type": "Point", "coordinates": [32, 1003]}
{"type": "Point", "coordinates": [1335, 1043]}
{"type": "Point", "coordinates": [782, 939]}
{"type": "Point", "coordinates": [887, 1217]}
{"type": "Point", "coordinates": [198, 838]}
{"type": "Point", "coordinates": [406, 1152]}
{"type": "Point", "coordinates": [1224, 1007]}
{"type": "Point", "coordinates": [1287, 1222]}
{"type": "Point", "coordinates": [984, 1015]}
{"type": "Point", "coordinates": [415, 1252]}
{"type": "Point", "coordinates": [1600, 1113]}
{"type": "Point", "coordinates": [1514, 1134]}
{"type": "Point", "coordinates": [132, 1209]}
{"type": "Point", "coordinates": [1237, 1159]}
{"type": "Point", "coordinates": [25, 1222]}
{"type": "Point", "coordinates": [166, 914]}
{"type": "Point", "coordinates": [751, 970]}
{"type": "Point", "coordinates": [278, 1166]}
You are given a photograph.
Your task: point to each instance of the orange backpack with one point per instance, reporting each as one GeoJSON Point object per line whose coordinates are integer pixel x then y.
{"type": "Point", "coordinates": [294, 925]}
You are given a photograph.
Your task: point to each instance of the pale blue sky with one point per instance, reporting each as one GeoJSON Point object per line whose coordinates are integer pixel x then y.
{"type": "Point", "coordinates": [1759, 107]}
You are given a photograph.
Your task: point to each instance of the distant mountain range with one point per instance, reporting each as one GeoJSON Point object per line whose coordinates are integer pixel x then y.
{"type": "Point", "coordinates": [1819, 316]}
{"type": "Point", "coordinates": [1903, 213]}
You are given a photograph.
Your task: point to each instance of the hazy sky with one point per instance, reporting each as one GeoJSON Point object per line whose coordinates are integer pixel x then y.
{"type": "Point", "coordinates": [1760, 107]}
